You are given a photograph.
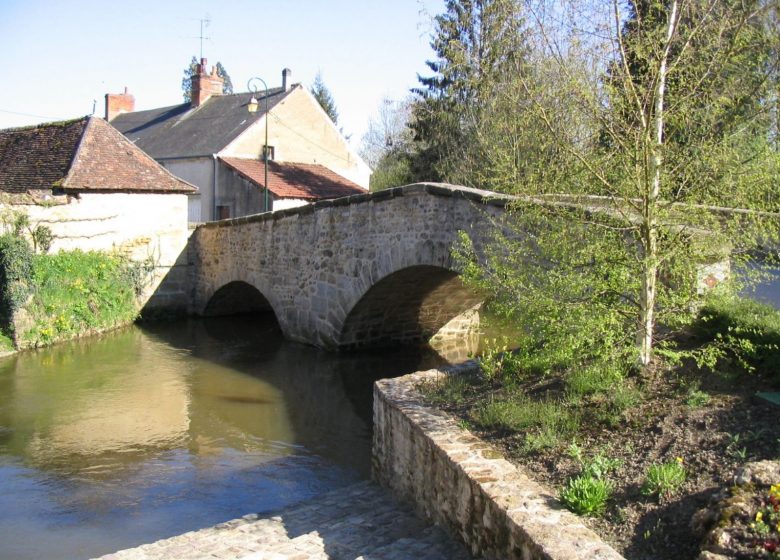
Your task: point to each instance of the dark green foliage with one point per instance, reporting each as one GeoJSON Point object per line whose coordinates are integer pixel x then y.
{"type": "Point", "coordinates": [728, 123]}
{"type": "Point", "coordinates": [323, 96]}
{"type": "Point", "coordinates": [745, 333]}
{"type": "Point", "coordinates": [227, 85]}
{"type": "Point", "coordinates": [393, 170]}
{"type": "Point", "coordinates": [479, 45]}
{"type": "Point", "coordinates": [16, 260]}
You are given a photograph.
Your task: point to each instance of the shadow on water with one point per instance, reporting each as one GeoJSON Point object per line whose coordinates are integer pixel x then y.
{"type": "Point", "coordinates": [148, 432]}
{"type": "Point", "coordinates": [331, 394]}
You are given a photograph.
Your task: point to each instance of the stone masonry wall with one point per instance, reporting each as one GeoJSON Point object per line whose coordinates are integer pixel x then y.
{"type": "Point", "coordinates": [461, 483]}
{"type": "Point", "coordinates": [315, 264]}
{"type": "Point", "coordinates": [364, 270]}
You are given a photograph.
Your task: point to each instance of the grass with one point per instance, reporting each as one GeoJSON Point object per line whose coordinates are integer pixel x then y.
{"type": "Point", "coordinates": [6, 344]}
{"type": "Point", "coordinates": [451, 389]}
{"type": "Point", "coordinates": [664, 479]}
{"type": "Point", "coordinates": [546, 423]}
{"type": "Point", "coordinates": [742, 334]}
{"type": "Point", "coordinates": [595, 378]}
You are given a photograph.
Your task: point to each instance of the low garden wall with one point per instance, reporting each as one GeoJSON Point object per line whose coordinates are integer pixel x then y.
{"type": "Point", "coordinates": [461, 483]}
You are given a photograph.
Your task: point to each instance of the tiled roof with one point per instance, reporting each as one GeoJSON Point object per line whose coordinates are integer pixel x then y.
{"type": "Point", "coordinates": [309, 181]}
{"type": "Point", "coordinates": [38, 157]}
{"type": "Point", "coordinates": [86, 154]}
{"type": "Point", "coordinates": [108, 161]}
{"type": "Point", "coordinates": [183, 131]}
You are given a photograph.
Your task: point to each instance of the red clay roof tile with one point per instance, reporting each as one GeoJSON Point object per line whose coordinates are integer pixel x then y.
{"type": "Point", "coordinates": [86, 154]}
{"type": "Point", "coordinates": [308, 181]}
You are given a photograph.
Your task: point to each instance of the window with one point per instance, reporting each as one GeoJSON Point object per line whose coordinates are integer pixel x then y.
{"type": "Point", "coordinates": [223, 212]}
{"type": "Point", "coordinates": [270, 150]}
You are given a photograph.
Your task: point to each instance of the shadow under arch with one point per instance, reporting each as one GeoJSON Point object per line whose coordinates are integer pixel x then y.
{"type": "Point", "coordinates": [411, 306]}
{"type": "Point", "coordinates": [237, 298]}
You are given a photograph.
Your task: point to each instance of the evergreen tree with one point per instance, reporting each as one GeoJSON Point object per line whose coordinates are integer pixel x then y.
{"type": "Point", "coordinates": [192, 70]}
{"type": "Point", "coordinates": [479, 45]}
{"type": "Point", "coordinates": [227, 85]}
{"type": "Point", "coordinates": [735, 94]}
{"type": "Point", "coordinates": [323, 96]}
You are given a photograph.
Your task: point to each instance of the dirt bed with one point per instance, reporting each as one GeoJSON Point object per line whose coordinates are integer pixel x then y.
{"type": "Point", "coordinates": [711, 439]}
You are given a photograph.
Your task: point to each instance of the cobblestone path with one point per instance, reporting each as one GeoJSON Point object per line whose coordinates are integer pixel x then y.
{"type": "Point", "coordinates": [361, 521]}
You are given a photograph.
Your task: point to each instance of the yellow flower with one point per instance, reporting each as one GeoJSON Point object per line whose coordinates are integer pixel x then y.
{"type": "Point", "coordinates": [679, 460]}
{"type": "Point", "coordinates": [759, 516]}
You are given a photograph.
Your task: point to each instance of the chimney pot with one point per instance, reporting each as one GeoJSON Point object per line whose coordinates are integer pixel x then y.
{"type": "Point", "coordinates": [286, 79]}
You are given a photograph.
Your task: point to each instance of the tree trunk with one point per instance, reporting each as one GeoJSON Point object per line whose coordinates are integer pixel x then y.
{"type": "Point", "coordinates": [655, 143]}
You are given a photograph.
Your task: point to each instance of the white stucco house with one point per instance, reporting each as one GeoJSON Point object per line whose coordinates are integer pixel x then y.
{"type": "Point", "coordinates": [95, 190]}
{"type": "Point", "coordinates": [217, 144]}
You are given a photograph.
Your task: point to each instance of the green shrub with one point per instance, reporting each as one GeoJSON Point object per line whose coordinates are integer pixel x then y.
{"type": "Point", "coordinates": [599, 466]}
{"type": "Point", "coordinates": [16, 261]}
{"type": "Point", "coordinates": [79, 291]}
{"type": "Point", "coordinates": [664, 479]}
{"type": "Point", "coordinates": [498, 362]}
{"type": "Point", "coordinates": [587, 495]}
{"type": "Point", "coordinates": [742, 332]}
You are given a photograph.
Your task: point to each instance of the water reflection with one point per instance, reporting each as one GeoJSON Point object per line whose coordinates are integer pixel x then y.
{"type": "Point", "coordinates": [145, 433]}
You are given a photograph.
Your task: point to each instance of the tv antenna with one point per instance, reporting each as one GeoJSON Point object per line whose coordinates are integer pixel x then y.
{"type": "Point", "coordinates": [204, 23]}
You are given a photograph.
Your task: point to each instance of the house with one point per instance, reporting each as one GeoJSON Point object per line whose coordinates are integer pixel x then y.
{"type": "Point", "coordinates": [218, 145]}
{"type": "Point", "coordinates": [95, 190]}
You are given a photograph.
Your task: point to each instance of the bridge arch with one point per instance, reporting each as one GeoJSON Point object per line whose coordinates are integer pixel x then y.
{"type": "Point", "coordinates": [237, 298]}
{"type": "Point", "coordinates": [410, 305]}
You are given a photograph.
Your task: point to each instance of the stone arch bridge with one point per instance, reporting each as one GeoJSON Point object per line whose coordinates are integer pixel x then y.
{"type": "Point", "coordinates": [366, 270]}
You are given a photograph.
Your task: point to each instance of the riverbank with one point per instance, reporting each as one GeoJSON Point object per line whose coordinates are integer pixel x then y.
{"type": "Point", "coordinates": [639, 457]}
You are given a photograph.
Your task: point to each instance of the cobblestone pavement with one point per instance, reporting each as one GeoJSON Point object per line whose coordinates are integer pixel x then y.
{"type": "Point", "coordinates": [361, 521]}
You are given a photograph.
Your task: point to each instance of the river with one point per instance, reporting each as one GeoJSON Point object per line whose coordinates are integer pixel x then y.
{"type": "Point", "coordinates": [152, 431]}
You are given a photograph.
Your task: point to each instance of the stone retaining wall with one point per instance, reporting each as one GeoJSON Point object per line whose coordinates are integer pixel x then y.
{"type": "Point", "coordinates": [464, 485]}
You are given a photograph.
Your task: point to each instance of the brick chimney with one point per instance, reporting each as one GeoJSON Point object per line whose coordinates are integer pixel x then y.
{"type": "Point", "coordinates": [286, 76]}
{"type": "Point", "coordinates": [118, 103]}
{"type": "Point", "coordinates": [205, 85]}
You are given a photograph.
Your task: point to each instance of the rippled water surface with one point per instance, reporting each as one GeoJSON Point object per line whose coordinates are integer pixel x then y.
{"type": "Point", "coordinates": [149, 432]}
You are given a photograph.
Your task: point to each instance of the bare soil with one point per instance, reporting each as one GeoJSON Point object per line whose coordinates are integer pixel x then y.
{"type": "Point", "coordinates": [713, 440]}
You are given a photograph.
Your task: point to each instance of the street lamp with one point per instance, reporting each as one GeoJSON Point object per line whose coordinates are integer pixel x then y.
{"type": "Point", "coordinates": [252, 107]}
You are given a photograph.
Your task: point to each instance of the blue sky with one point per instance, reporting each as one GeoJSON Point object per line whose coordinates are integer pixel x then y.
{"type": "Point", "coordinates": [60, 55]}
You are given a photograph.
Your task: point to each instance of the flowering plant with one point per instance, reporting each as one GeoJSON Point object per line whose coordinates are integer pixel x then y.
{"type": "Point", "coordinates": [766, 524]}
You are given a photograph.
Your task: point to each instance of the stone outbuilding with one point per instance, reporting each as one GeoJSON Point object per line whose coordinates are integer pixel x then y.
{"type": "Point", "coordinates": [95, 190]}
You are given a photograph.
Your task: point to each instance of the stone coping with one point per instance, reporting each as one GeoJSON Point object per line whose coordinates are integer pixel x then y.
{"type": "Point", "coordinates": [435, 189]}
{"type": "Point", "coordinates": [463, 484]}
